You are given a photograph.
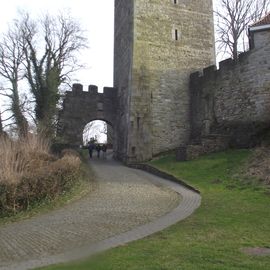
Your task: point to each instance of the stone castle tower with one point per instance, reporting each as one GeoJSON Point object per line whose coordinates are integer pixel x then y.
{"type": "Point", "coordinates": [158, 43]}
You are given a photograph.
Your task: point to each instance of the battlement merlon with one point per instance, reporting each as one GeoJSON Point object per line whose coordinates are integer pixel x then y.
{"type": "Point", "coordinates": [78, 90]}
{"type": "Point", "coordinates": [229, 64]}
{"type": "Point", "coordinates": [212, 71]}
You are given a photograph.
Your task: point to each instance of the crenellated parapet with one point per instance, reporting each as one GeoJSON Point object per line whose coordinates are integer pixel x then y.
{"type": "Point", "coordinates": [78, 90]}
{"type": "Point", "coordinates": [233, 99]}
{"type": "Point", "coordinates": [226, 66]}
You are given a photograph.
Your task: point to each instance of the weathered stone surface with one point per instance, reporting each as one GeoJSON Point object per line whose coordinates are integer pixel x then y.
{"type": "Point", "coordinates": [123, 47]}
{"type": "Point", "coordinates": [80, 108]}
{"type": "Point", "coordinates": [157, 45]}
{"type": "Point", "coordinates": [234, 100]}
{"type": "Point", "coordinates": [181, 153]}
{"type": "Point", "coordinates": [208, 144]}
{"type": "Point", "coordinates": [152, 71]}
{"type": "Point", "coordinates": [155, 105]}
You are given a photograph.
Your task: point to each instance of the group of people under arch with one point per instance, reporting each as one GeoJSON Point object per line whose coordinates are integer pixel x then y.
{"type": "Point", "coordinates": [92, 147]}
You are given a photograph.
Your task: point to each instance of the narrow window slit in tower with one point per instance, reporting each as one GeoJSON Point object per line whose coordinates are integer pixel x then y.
{"type": "Point", "coordinates": [138, 122]}
{"type": "Point", "coordinates": [175, 2]}
{"type": "Point", "coordinates": [176, 34]}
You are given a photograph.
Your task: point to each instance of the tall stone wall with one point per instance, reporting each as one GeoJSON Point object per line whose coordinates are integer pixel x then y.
{"type": "Point", "coordinates": [158, 118]}
{"type": "Point", "coordinates": [123, 51]}
{"type": "Point", "coordinates": [234, 100]}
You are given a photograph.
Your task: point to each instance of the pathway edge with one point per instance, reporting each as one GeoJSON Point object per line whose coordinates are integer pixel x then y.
{"type": "Point", "coordinates": [191, 200]}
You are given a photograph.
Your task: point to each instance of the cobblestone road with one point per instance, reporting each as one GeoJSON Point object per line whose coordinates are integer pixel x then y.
{"type": "Point", "coordinates": [126, 205]}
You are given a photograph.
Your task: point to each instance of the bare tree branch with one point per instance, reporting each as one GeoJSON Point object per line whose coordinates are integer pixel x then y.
{"type": "Point", "coordinates": [62, 39]}
{"type": "Point", "coordinates": [232, 20]}
{"type": "Point", "coordinates": [44, 53]}
{"type": "Point", "coordinates": [11, 59]}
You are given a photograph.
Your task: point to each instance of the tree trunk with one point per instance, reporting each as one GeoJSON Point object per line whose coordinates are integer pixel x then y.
{"type": "Point", "coordinates": [235, 51]}
{"type": "Point", "coordinates": [20, 119]}
{"type": "Point", "coordinates": [1, 125]}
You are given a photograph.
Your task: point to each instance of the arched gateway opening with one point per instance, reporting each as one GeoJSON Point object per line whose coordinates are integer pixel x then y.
{"type": "Point", "coordinates": [81, 108]}
{"type": "Point", "coordinates": [99, 131]}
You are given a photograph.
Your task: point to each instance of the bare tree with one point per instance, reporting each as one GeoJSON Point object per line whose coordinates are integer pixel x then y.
{"type": "Point", "coordinates": [97, 129]}
{"type": "Point", "coordinates": [107, 130]}
{"type": "Point", "coordinates": [92, 130]}
{"type": "Point", "coordinates": [11, 59]}
{"type": "Point", "coordinates": [1, 124]}
{"type": "Point", "coordinates": [48, 69]}
{"type": "Point", "coordinates": [44, 52]}
{"type": "Point", "coordinates": [233, 18]}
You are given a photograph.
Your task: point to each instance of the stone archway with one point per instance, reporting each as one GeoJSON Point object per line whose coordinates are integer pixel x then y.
{"type": "Point", "coordinates": [81, 107]}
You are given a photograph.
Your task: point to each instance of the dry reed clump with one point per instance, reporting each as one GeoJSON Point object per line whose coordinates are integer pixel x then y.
{"type": "Point", "coordinates": [29, 173]}
{"type": "Point", "coordinates": [259, 165]}
{"type": "Point", "coordinates": [70, 152]}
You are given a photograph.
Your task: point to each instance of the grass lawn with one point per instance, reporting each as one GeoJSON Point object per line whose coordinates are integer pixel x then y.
{"type": "Point", "coordinates": [233, 215]}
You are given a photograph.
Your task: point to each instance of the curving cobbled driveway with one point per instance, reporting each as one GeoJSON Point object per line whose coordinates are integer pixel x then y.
{"type": "Point", "coordinates": [126, 205]}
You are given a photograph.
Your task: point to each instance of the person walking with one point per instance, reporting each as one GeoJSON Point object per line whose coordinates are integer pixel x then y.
{"type": "Point", "coordinates": [91, 147]}
{"type": "Point", "coordinates": [104, 150]}
{"type": "Point", "coordinates": [98, 148]}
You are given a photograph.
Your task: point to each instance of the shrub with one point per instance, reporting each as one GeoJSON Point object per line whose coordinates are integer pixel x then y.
{"type": "Point", "coordinates": [29, 173]}
{"type": "Point", "coordinates": [70, 152]}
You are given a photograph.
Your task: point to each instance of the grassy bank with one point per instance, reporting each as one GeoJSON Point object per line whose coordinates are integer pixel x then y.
{"type": "Point", "coordinates": [234, 215]}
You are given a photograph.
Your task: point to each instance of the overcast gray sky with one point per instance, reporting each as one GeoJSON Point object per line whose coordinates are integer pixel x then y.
{"type": "Point", "coordinates": [95, 16]}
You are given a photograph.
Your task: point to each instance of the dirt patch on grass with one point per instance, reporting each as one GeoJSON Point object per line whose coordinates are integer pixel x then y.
{"type": "Point", "coordinates": [216, 181]}
{"type": "Point", "coordinates": [257, 251]}
{"type": "Point", "coordinates": [259, 165]}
